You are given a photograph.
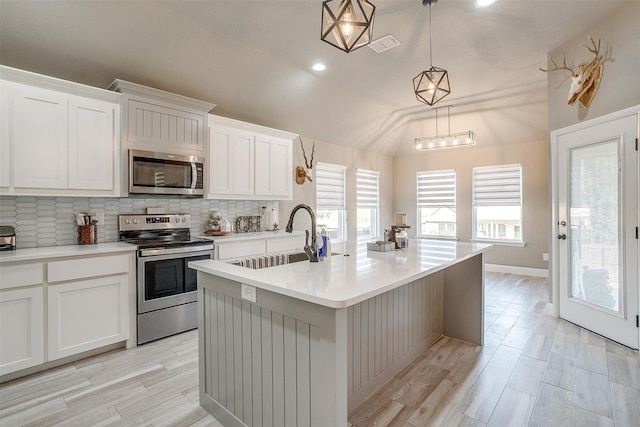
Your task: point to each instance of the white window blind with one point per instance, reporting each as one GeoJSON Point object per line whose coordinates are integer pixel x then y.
{"type": "Point", "coordinates": [367, 189]}
{"type": "Point", "coordinates": [330, 184]}
{"type": "Point", "coordinates": [437, 189]}
{"type": "Point", "coordinates": [497, 185]}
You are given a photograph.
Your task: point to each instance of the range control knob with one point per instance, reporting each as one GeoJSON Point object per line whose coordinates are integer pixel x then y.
{"type": "Point", "coordinates": [135, 220]}
{"type": "Point", "coordinates": [184, 219]}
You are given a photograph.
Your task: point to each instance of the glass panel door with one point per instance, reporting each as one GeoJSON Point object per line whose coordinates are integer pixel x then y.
{"type": "Point", "coordinates": [594, 208]}
{"type": "Point", "coordinates": [596, 250]}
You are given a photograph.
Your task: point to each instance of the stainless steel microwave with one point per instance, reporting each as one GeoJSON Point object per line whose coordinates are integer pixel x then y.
{"type": "Point", "coordinates": [164, 173]}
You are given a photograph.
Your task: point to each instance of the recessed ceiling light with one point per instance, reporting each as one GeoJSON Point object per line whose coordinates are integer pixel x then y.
{"type": "Point", "coordinates": [484, 3]}
{"type": "Point", "coordinates": [319, 67]}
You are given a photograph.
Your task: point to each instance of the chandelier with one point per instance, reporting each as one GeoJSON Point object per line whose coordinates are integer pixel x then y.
{"type": "Point", "coordinates": [347, 24]}
{"type": "Point", "coordinates": [450, 140]}
{"type": "Point", "coordinates": [431, 85]}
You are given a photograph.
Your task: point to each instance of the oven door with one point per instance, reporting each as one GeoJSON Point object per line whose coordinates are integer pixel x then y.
{"type": "Point", "coordinates": [166, 280]}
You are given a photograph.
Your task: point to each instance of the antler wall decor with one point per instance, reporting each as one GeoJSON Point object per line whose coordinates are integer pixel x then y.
{"type": "Point", "coordinates": [304, 173]}
{"type": "Point", "coordinates": [585, 81]}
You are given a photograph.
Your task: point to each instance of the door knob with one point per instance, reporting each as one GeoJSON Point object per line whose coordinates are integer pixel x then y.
{"type": "Point", "coordinates": [562, 236]}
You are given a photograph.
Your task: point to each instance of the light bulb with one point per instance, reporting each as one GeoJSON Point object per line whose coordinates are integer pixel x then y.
{"type": "Point", "coordinates": [455, 141]}
{"type": "Point", "coordinates": [443, 142]}
{"type": "Point", "coordinates": [347, 29]}
{"type": "Point", "coordinates": [431, 145]}
{"type": "Point", "coordinates": [468, 141]}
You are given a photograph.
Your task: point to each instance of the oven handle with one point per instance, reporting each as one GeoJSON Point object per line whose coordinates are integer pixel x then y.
{"type": "Point", "coordinates": [165, 251]}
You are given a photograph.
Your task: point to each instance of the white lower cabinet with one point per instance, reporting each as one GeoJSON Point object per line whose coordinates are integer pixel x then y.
{"type": "Point", "coordinates": [21, 328]}
{"type": "Point", "coordinates": [87, 314]}
{"type": "Point", "coordinates": [257, 246]}
{"type": "Point", "coordinates": [71, 304]}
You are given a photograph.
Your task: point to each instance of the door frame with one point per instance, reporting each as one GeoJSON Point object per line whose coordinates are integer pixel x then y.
{"type": "Point", "coordinates": [554, 248]}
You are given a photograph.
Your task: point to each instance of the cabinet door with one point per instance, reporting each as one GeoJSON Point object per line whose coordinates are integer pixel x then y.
{"type": "Point", "coordinates": [92, 144]}
{"type": "Point", "coordinates": [39, 137]}
{"type": "Point", "coordinates": [243, 163]}
{"type": "Point", "coordinates": [232, 161]}
{"type": "Point", "coordinates": [273, 167]}
{"type": "Point", "coordinates": [87, 314]}
{"type": "Point", "coordinates": [263, 170]}
{"type": "Point", "coordinates": [221, 150]}
{"type": "Point", "coordinates": [21, 329]}
{"type": "Point", "coordinates": [155, 127]}
{"type": "Point", "coordinates": [5, 152]}
{"type": "Point", "coordinates": [281, 168]}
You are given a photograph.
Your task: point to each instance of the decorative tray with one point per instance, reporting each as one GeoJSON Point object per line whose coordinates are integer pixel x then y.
{"type": "Point", "coordinates": [217, 233]}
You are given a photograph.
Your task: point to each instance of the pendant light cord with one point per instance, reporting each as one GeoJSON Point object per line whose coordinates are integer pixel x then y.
{"type": "Point", "coordinates": [430, 26]}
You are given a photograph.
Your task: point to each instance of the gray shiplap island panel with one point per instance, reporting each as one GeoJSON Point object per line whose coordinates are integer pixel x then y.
{"type": "Point", "coordinates": [312, 348]}
{"type": "Point", "coordinates": [265, 364]}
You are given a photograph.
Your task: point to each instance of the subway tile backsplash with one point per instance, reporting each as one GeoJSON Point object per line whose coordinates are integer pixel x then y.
{"type": "Point", "coordinates": [49, 221]}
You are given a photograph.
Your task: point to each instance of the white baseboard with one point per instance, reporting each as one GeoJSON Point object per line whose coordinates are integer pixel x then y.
{"type": "Point", "coordinates": [524, 271]}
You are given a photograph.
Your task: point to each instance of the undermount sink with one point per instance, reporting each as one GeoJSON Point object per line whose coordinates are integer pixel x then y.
{"type": "Point", "coordinates": [267, 261]}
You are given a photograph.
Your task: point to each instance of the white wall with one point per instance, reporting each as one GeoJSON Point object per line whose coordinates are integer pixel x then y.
{"type": "Point", "coordinates": [351, 158]}
{"type": "Point", "coordinates": [535, 165]}
{"type": "Point", "coordinates": [620, 86]}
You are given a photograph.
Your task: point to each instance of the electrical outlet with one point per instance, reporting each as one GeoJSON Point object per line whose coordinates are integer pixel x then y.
{"type": "Point", "coordinates": [99, 217]}
{"type": "Point", "coordinates": [248, 292]}
{"type": "Point", "coordinates": [545, 256]}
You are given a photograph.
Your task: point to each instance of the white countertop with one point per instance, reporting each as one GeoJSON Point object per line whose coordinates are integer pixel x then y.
{"type": "Point", "coordinates": [342, 281]}
{"type": "Point", "coordinates": [31, 254]}
{"type": "Point", "coordinates": [235, 237]}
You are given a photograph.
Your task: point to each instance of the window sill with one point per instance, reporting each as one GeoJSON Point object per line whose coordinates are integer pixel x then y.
{"type": "Point", "coordinates": [501, 242]}
{"type": "Point", "coordinates": [437, 238]}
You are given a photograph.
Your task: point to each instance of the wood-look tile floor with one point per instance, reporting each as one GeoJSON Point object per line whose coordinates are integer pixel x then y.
{"type": "Point", "coordinates": [533, 370]}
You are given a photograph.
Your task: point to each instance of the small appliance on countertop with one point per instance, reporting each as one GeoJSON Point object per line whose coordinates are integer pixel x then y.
{"type": "Point", "coordinates": [7, 238]}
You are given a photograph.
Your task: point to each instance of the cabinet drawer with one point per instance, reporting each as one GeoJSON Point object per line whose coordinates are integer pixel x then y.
{"type": "Point", "coordinates": [240, 249]}
{"type": "Point", "coordinates": [13, 276]}
{"type": "Point", "coordinates": [283, 244]}
{"type": "Point", "coordinates": [87, 267]}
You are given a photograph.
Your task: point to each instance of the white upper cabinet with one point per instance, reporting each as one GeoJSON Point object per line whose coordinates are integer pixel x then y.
{"type": "Point", "coordinates": [248, 162]}
{"type": "Point", "coordinates": [39, 140]}
{"type": "Point", "coordinates": [155, 120]}
{"type": "Point", "coordinates": [58, 138]}
{"type": "Point", "coordinates": [231, 163]}
{"type": "Point", "coordinates": [273, 167]}
{"type": "Point", "coordinates": [91, 144]}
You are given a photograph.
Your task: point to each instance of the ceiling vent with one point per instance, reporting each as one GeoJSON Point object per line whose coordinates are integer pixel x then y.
{"type": "Point", "coordinates": [384, 43]}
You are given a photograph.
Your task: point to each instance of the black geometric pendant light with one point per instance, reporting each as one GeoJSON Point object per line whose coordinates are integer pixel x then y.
{"type": "Point", "coordinates": [431, 85]}
{"type": "Point", "coordinates": [347, 24]}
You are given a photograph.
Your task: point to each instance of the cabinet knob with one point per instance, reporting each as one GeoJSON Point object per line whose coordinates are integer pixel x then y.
{"type": "Point", "coordinates": [562, 236]}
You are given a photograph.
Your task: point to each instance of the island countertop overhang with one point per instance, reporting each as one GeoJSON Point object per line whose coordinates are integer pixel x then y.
{"type": "Point", "coordinates": [342, 281]}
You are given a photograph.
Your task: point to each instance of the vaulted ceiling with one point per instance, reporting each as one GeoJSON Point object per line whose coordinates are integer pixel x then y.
{"type": "Point", "coordinates": [253, 59]}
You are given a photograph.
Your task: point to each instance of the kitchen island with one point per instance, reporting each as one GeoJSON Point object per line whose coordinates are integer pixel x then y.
{"type": "Point", "coordinates": [306, 343]}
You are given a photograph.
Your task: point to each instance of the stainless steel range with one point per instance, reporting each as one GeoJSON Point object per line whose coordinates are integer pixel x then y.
{"type": "Point", "coordinates": [166, 287]}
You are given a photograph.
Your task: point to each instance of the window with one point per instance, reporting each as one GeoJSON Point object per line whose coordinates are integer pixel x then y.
{"type": "Point", "coordinates": [330, 200]}
{"type": "Point", "coordinates": [436, 194]}
{"type": "Point", "coordinates": [497, 203]}
{"type": "Point", "coordinates": [367, 203]}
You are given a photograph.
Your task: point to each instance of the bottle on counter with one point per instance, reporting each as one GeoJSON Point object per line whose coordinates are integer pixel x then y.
{"type": "Point", "coordinates": [328, 248]}
{"type": "Point", "coordinates": [322, 243]}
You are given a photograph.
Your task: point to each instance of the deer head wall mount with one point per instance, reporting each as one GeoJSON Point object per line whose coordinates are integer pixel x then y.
{"type": "Point", "coordinates": [304, 173]}
{"type": "Point", "coordinates": [586, 80]}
